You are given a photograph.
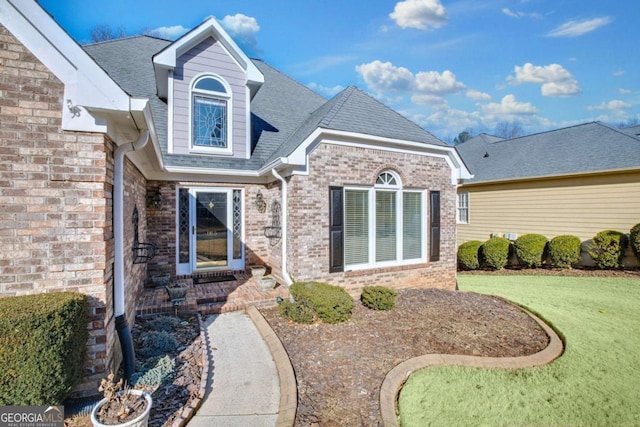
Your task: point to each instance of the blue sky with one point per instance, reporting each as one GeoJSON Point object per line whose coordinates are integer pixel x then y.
{"type": "Point", "coordinates": [447, 65]}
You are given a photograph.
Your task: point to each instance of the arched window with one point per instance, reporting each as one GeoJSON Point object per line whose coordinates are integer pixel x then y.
{"type": "Point", "coordinates": [210, 99]}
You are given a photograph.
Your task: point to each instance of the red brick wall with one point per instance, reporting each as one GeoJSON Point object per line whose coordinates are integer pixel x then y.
{"type": "Point", "coordinates": [55, 201]}
{"type": "Point", "coordinates": [332, 165]}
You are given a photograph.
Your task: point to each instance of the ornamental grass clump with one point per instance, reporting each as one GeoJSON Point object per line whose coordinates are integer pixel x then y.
{"type": "Point", "coordinates": [530, 250]}
{"type": "Point", "coordinates": [331, 304]}
{"type": "Point", "coordinates": [607, 249]}
{"type": "Point", "coordinates": [468, 255]}
{"type": "Point", "coordinates": [378, 298]}
{"type": "Point", "coordinates": [564, 251]}
{"type": "Point", "coordinates": [495, 253]}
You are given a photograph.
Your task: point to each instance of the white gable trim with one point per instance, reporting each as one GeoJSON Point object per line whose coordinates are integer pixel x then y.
{"type": "Point", "coordinates": [86, 85]}
{"type": "Point", "coordinates": [166, 60]}
{"type": "Point", "coordinates": [300, 155]}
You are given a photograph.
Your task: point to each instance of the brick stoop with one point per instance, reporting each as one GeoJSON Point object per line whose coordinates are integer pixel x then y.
{"type": "Point", "coordinates": [212, 298]}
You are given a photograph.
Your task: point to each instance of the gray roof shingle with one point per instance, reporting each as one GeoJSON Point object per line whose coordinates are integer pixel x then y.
{"type": "Point", "coordinates": [283, 112]}
{"type": "Point", "coordinates": [586, 148]}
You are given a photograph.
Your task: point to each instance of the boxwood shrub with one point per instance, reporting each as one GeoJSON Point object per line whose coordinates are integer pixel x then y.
{"type": "Point", "coordinates": [296, 311]}
{"type": "Point", "coordinates": [468, 255]}
{"type": "Point", "coordinates": [331, 304]}
{"type": "Point", "coordinates": [564, 251]}
{"type": "Point", "coordinates": [530, 250]}
{"type": "Point", "coordinates": [634, 240]}
{"type": "Point", "coordinates": [607, 249]}
{"type": "Point", "coordinates": [495, 253]}
{"type": "Point", "coordinates": [378, 297]}
{"type": "Point", "coordinates": [42, 347]}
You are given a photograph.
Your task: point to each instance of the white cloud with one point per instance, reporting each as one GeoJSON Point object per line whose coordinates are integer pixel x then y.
{"type": "Point", "coordinates": [420, 14]}
{"type": "Point", "coordinates": [554, 78]}
{"type": "Point", "coordinates": [509, 106]}
{"type": "Point", "coordinates": [579, 28]}
{"type": "Point", "coordinates": [436, 83]}
{"type": "Point", "coordinates": [515, 14]}
{"type": "Point", "coordinates": [325, 90]}
{"type": "Point", "coordinates": [477, 95]}
{"type": "Point", "coordinates": [623, 91]}
{"type": "Point", "coordinates": [618, 73]}
{"type": "Point", "coordinates": [381, 76]}
{"type": "Point", "coordinates": [243, 27]}
{"type": "Point", "coordinates": [612, 105]}
{"type": "Point", "coordinates": [434, 101]}
{"type": "Point", "coordinates": [169, 33]}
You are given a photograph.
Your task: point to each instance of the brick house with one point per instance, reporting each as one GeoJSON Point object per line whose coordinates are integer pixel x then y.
{"type": "Point", "coordinates": [219, 160]}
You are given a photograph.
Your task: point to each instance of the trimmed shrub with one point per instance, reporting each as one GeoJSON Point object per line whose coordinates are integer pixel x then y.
{"type": "Point", "coordinates": [634, 240]}
{"type": "Point", "coordinates": [495, 253]}
{"type": "Point", "coordinates": [607, 249]}
{"type": "Point", "coordinates": [564, 251]}
{"type": "Point", "coordinates": [296, 311]}
{"type": "Point", "coordinates": [157, 343]}
{"type": "Point", "coordinates": [530, 250]}
{"type": "Point", "coordinates": [378, 297]}
{"type": "Point", "coordinates": [468, 255]}
{"type": "Point", "coordinates": [331, 304]}
{"type": "Point", "coordinates": [42, 347]}
{"type": "Point", "coordinates": [163, 323]}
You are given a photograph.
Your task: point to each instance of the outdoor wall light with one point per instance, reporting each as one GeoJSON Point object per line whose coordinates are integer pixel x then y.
{"type": "Point", "coordinates": [261, 205]}
{"type": "Point", "coordinates": [156, 200]}
{"type": "Point", "coordinates": [73, 109]}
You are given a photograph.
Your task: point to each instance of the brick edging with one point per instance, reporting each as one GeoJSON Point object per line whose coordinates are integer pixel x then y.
{"type": "Point", "coordinates": [288, 389]}
{"type": "Point", "coordinates": [189, 411]}
{"type": "Point", "coordinates": [395, 379]}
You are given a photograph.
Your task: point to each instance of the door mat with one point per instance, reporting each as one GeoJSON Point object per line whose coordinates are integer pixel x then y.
{"type": "Point", "coordinates": [214, 279]}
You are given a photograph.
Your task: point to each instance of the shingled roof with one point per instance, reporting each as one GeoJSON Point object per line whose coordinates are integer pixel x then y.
{"type": "Point", "coordinates": [586, 148]}
{"type": "Point", "coordinates": [283, 113]}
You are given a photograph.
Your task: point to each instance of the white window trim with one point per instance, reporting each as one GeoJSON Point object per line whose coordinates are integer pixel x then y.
{"type": "Point", "coordinates": [371, 200]}
{"type": "Point", "coordinates": [459, 197]}
{"type": "Point", "coordinates": [228, 97]}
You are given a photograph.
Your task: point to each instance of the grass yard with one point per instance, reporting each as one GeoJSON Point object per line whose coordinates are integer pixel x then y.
{"type": "Point", "coordinates": [596, 382]}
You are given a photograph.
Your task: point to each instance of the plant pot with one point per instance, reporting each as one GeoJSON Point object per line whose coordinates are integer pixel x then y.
{"type": "Point", "coordinates": [258, 270]}
{"type": "Point", "coordinates": [140, 421]}
{"type": "Point", "coordinates": [159, 281]}
{"type": "Point", "coordinates": [267, 282]}
{"type": "Point", "coordinates": [177, 292]}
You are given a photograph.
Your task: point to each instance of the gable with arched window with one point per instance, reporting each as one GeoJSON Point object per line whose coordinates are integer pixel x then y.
{"type": "Point", "coordinates": [377, 226]}
{"type": "Point", "coordinates": [210, 115]}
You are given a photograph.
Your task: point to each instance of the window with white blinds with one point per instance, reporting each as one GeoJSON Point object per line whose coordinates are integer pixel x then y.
{"type": "Point", "coordinates": [412, 225]}
{"type": "Point", "coordinates": [386, 223]}
{"type": "Point", "coordinates": [356, 227]}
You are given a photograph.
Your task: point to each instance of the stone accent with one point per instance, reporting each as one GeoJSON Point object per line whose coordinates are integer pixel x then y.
{"type": "Point", "coordinates": [56, 229]}
{"type": "Point", "coordinates": [334, 165]}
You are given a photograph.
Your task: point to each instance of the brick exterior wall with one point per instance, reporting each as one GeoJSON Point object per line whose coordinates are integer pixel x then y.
{"type": "Point", "coordinates": [56, 203]}
{"type": "Point", "coordinates": [333, 165]}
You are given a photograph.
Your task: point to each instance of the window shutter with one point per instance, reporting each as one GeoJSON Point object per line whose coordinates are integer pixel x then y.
{"type": "Point", "coordinates": [336, 230]}
{"type": "Point", "coordinates": [434, 226]}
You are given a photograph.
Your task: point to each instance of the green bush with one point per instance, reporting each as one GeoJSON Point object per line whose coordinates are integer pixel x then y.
{"type": "Point", "coordinates": [296, 311]}
{"type": "Point", "coordinates": [378, 297]}
{"type": "Point", "coordinates": [495, 253]}
{"type": "Point", "coordinates": [530, 250]}
{"type": "Point", "coordinates": [156, 343]}
{"type": "Point", "coordinates": [331, 304]}
{"type": "Point", "coordinates": [564, 251]}
{"type": "Point", "coordinates": [163, 323]}
{"type": "Point", "coordinates": [468, 255]}
{"type": "Point", "coordinates": [634, 240]}
{"type": "Point", "coordinates": [42, 347]}
{"type": "Point", "coordinates": [607, 249]}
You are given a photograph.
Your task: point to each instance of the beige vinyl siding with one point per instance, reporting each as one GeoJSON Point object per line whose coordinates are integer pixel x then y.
{"type": "Point", "coordinates": [581, 206]}
{"type": "Point", "coordinates": [209, 56]}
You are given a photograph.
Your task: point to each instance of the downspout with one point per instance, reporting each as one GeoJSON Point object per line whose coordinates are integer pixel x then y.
{"type": "Point", "coordinates": [283, 223]}
{"type": "Point", "coordinates": [122, 327]}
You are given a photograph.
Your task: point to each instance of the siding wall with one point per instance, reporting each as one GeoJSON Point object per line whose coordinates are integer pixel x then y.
{"type": "Point", "coordinates": [209, 56]}
{"type": "Point", "coordinates": [580, 206]}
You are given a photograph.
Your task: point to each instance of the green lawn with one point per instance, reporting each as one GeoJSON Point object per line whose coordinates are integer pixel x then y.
{"type": "Point", "coordinates": [596, 382]}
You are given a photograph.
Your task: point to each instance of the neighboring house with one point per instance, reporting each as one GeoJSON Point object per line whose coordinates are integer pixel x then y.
{"type": "Point", "coordinates": [221, 161]}
{"type": "Point", "coordinates": [578, 180]}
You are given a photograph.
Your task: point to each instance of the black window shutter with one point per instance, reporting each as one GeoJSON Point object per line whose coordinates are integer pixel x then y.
{"type": "Point", "coordinates": [434, 226]}
{"type": "Point", "coordinates": [336, 230]}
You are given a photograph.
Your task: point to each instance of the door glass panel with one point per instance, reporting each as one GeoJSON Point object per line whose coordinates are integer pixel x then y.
{"type": "Point", "coordinates": [211, 230]}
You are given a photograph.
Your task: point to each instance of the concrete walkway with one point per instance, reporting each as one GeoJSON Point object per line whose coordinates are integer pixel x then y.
{"type": "Point", "coordinates": [243, 387]}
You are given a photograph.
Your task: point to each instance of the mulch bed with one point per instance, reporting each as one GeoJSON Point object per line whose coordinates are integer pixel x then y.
{"type": "Point", "coordinates": [339, 368]}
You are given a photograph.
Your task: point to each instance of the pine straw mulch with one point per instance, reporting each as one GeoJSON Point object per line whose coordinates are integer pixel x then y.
{"type": "Point", "coordinates": [339, 368]}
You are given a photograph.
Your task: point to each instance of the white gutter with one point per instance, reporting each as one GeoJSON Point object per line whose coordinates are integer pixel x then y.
{"type": "Point", "coordinates": [118, 218]}
{"type": "Point", "coordinates": [283, 224]}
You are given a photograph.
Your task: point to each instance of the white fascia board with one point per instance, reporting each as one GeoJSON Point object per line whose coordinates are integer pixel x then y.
{"type": "Point", "coordinates": [167, 59]}
{"type": "Point", "coordinates": [85, 83]}
{"type": "Point", "coordinates": [336, 137]}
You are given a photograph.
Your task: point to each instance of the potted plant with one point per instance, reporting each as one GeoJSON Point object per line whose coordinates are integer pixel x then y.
{"type": "Point", "coordinates": [121, 406]}
{"type": "Point", "coordinates": [177, 291]}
